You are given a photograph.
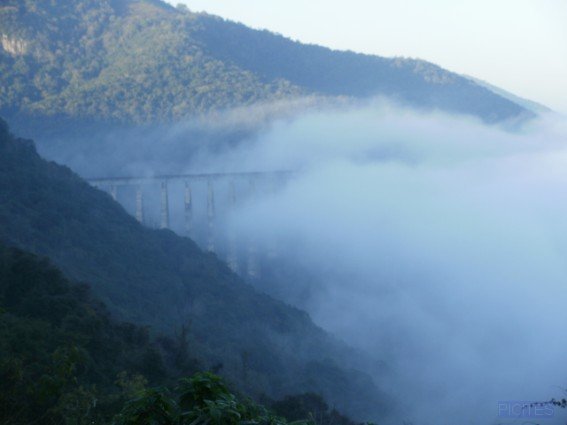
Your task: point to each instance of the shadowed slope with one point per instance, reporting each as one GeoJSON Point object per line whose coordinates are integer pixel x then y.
{"type": "Point", "coordinates": [157, 278]}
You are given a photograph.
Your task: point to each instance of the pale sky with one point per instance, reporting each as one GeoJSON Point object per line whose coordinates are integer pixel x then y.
{"type": "Point", "coordinates": [519, 45]}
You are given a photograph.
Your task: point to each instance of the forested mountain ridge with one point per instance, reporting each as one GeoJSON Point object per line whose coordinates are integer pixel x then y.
{"type": "Point", "coordinates": [153, 277]}
{"type": "Point", "coordinates": [134, 61]}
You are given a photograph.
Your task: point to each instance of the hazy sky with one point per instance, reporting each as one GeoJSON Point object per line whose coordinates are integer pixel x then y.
{"type": "Point", "coordinates": [519, 45]}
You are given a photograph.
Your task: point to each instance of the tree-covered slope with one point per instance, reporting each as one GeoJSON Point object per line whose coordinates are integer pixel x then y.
{"type": "Point", "coordinates": [156, 278]}
{"type": "Point", "coordinates": [61, 354]}
{"type": "Point", "coordinates": [344, 73]}
{"type": "Point", "coordinates": [144, 61]}
{"type": "Point", "coordinates": [63, 359]}
{"type": "Point", "coordinates": [124, 61]}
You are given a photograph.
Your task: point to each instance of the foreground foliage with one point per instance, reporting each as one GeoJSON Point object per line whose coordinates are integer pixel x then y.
{"type": "Point", "coordinates": [199, 400]}
{"type": "Point", "coordinates": [205, 399]}
{"type": "Point", "coordinates": [62, 358]}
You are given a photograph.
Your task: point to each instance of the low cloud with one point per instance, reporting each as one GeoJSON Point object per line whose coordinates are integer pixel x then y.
{"type": "Point", "coordinates": [434, 242]}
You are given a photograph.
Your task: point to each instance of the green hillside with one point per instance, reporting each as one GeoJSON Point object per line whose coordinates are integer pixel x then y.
{"type": "Point", "coordinates": [62, 355]}
{"type": "Point", "coordinates": [140, 61]}
{"type": "Point", "coordinates": [64, 360]}
{"type": "Point", "coordinates": [156, 278]}
{"type": "Point", "coordinates": [119, 61]}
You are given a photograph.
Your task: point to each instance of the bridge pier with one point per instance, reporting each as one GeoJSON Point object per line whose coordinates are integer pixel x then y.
{"type": "Point", "coordinates": [164, 206]}
{"type": "Point", "coordinates": [247, 262]}
{"type": "Point", "coordinates": [252, 269]}
{"type": "Point", "coordinates": [188, 202]}
{"type": "Point", "coordinates": [232, 255]}
{"type": "Point", "coordinates": [139, 204]}
{"type": "Point", "coordinates": [272, 249]}
{"type": "Point", "coordinates": [210, 216]}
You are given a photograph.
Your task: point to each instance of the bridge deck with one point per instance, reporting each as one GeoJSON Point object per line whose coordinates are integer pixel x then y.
{"type": "Point", "coordinates": [132, 180]}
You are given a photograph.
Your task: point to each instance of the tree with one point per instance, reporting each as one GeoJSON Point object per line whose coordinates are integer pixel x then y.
{"type": "Point", "coordinates": [202, 399]}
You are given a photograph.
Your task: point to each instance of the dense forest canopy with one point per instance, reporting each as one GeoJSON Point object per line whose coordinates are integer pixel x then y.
{"type": "Point", "coordinates": [139, 61]}
{"type": "Point", "coordinates": [62, 355]}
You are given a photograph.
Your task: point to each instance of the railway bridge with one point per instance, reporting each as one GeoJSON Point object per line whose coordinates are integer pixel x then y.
{"type": "Point", "coordinates": [193, 204]}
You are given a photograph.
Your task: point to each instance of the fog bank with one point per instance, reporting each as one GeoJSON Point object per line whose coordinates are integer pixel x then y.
{"type": "Point", "coordinates": [434, 242]}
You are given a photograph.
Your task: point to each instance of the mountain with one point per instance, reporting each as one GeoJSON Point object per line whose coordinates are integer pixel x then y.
{"type": "Point", "coordinates": [67, 62]}
{"type": "Point", "coordinates": [156, 278]}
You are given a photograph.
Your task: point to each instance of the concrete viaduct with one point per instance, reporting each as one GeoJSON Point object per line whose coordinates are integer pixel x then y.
{"type": "Point", "coordinates": [139, 183]}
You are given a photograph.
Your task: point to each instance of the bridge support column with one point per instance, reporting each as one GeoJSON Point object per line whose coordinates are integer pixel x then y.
{"type": "Point", "coordinates": [252, 267]}
{"type": "Point", "coordinates": [164, 206]}
{"type": "Point", "coordinates": [272, 249]}
{"type": "Point", "coordinates": [188, 202]}
{"type": "Point", "coordinates": [210, 216]}
{"type": "Point", "coordinates": [114, 192]}
{"type": "Point", "coordinates": [232, 255]}
{"type": "Point", "coordinates": [139, 204]}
